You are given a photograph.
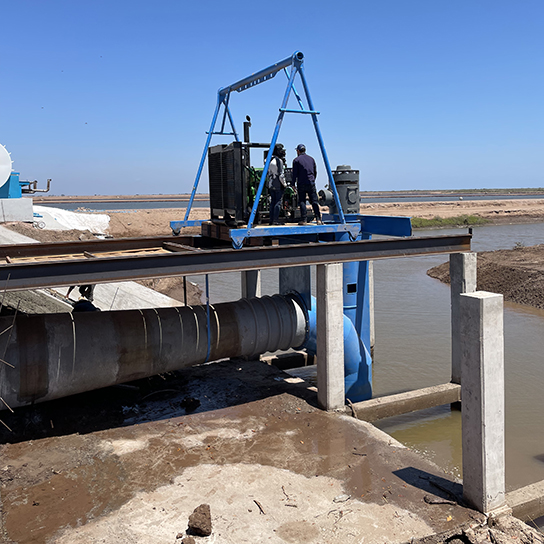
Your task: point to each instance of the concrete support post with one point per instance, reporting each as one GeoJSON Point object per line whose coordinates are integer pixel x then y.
{"type": "Point", "coordinates": [482, 378]}
{"type": "Point", "coordinates": [463, 280]}
{"type": "Point", "coordinates": [251, 283]}
{"type": "Point", "coordinates": [330, 337]}
{"type": "Point", "coordinates": [299, 279]}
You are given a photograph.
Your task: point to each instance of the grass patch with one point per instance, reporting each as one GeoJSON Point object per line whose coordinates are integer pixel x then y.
{"type": "Point", "coordinates": [448, 222]}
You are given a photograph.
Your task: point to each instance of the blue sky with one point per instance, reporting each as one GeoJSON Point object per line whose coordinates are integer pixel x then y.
{"type": "Point", "coordinates": [115, 97]}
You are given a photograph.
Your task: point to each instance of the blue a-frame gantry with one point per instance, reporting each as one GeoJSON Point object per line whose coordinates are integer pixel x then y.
{"type": "Point", "coordinates": [292, 66]}
{"type": "Point", "coordinates": [337, 227]}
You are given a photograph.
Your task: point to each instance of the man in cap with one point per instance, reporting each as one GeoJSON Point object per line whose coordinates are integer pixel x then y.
{"type": "Point", "coordinates": [304, 175]}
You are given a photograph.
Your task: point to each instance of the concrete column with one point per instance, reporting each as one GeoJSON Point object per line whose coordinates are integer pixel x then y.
{"type": "Point", "coordinates": [330, 337]}
{"type": "Point", "coordinates": [482, 378]}
{"type": "Point", "coordinates": [299, 279]}
{"type": "Point", "coordinates": [463, 280]}
{"type": "Point", "coordinates": [251, 283]}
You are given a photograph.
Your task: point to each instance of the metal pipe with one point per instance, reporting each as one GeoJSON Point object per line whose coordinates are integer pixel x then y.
{"type": "Point", "coordinates": [357, 360]}
{"type": "Point", "coordinates": [57, 355]}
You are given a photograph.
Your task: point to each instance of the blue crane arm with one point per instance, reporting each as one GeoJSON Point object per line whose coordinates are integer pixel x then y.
{"type": "Point", "coordinates": [262, 75]}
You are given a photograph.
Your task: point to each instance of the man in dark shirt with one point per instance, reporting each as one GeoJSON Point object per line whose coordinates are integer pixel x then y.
{"type": "Point", "coordinates": [304, 175]}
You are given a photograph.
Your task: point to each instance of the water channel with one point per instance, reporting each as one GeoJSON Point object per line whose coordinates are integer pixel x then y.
{"type": "Point", "coordinates": [412, 315]}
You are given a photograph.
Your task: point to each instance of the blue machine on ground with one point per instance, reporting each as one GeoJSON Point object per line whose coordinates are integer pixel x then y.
{"type": "Point", "coordinates": [11, 186]}
{"type": "Point", "coordinates": [239, 207]}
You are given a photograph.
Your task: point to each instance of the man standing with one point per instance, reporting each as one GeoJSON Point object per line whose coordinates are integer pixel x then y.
{"type": "Point", "coordinates": [304, 175]}
{"type": "Point", "coordinates": [276, 183]}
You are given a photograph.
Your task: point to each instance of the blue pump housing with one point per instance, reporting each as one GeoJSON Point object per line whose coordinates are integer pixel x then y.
{"type": "Point", "coordinates": [356, 306]}
{"type": "Point", "coordinates": [13, 187]}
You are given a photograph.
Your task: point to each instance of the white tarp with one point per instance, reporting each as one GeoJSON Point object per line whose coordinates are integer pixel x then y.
{"type": "Point", "coordinates": [57, 219]}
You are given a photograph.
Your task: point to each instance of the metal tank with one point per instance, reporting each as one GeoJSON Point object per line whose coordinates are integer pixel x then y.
{"type": "Point", "coordinates": [346, 180]}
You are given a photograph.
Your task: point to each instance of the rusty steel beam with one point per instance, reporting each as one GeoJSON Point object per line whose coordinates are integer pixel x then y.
{"type": "Point", "coordinates": [54, 273]}
{"type": "Point", "coordinates": [89, 246]}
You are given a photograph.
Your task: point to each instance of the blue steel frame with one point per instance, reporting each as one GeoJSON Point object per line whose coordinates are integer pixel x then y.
{"type": "Point", "coordinates": [295, 62]}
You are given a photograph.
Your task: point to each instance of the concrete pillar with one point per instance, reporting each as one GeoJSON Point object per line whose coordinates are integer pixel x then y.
{"type": "Point", "coordinates": [482, 378]}
{"type": "Point", "coordinates": [299, 279]}
{"type": "Point", "coordinates": [330, 337]}
{"type": "Point", "coordinates": [463, 280]}
{"type": "Point", "coordinates": [251, 283]}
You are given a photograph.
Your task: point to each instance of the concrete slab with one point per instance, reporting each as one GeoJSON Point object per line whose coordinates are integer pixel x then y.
{"type": "Point", "coordinates": [271, 465]}
{"type": "Point", "coordinates": [126, 295]}
{"type": "Point", "coordinates": [16, 209]}
{"type": "Point", "coordinates": [8, 236]}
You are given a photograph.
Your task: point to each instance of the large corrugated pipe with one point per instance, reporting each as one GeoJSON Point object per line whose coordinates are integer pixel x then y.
{"type": "Point", "coordinates": [57, 355]}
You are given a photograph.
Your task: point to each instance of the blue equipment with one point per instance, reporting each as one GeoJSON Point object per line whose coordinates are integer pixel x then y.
{"type": "Point", "coordinates": [10, 184]}
{"type": "Point", "coordinates": [231, 181]}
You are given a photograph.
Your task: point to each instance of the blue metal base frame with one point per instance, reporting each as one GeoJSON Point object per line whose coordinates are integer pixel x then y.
{"type": "Point", "coordinates": [176, 226]}
{"type": "Point", "coordinates": [239, 235]}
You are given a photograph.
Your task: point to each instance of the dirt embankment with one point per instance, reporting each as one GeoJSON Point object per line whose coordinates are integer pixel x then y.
{"type": "Point", "coordinates": [495, 211]}
{"type": "Point", "coordinates": [517, 273]}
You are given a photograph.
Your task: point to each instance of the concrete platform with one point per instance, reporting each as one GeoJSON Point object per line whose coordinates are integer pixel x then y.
{"type": "Point", "coordinates": [131, 463]}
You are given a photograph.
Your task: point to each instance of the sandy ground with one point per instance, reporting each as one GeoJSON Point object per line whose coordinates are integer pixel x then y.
{"type": "Point", "coordinates": [156, 222]}
{"type": "Point", "coordinates": [496, 211]}
{"type": "Point", "coordinates": [129, 464]}
{"type": "Point", "coordinates": [241, 436]}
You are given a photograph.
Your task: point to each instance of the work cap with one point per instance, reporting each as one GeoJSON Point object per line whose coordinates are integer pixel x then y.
{"type": "Point", "coordinates": [301, 148]}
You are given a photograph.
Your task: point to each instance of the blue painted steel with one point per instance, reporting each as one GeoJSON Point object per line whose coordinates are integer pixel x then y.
{"type": "Point", "coordinates": [273, 142]}
{"type": "Point", "coordinates": [176, 226]}
{"type": "Point", "coordinates": [203, 158]}
{"type": "Point", "coordinates": [12, 187]}
{"type": "Point", "coordinates": [357, 311]}
{"type": "Point", "coordinates": [223, 96]}
{"type": "Point", "coordinates": [332, 184]}
{"type": "Point", "coordinates": [387, 225]}
{"type": "Point", "coordinates": [299, 111]}
{"type": "Point", "coordinates": [357, 361]}
{"type": "Point", "coordinates": [297, 96]}
{"type": "Point", "coordinates": [297, 231]}
{"type": "Point", "coordinates": [208, 325]}
{"type": "Point", "coordinates": [261, 76]}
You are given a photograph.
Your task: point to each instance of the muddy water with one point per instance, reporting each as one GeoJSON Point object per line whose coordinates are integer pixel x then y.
{"type": "Point", "coordinates": [413, 346]}
{"type": "Point", "coordinates": [412, 313]}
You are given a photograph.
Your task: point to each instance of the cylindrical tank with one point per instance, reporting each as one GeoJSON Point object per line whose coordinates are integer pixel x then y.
{"type": "Point", "coordinates": [346, 180]}
{"type": "Point", "coordinates": [347, 184]}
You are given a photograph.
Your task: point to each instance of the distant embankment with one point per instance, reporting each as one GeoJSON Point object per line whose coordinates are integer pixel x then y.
{"type": "Point", "coordinates": [117, 198]}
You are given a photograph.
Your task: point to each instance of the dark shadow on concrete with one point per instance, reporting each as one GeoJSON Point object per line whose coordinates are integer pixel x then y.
{"type": "Point", "coordinates": [191, 390]}
{"type": "Point", "coordinates": [431, 483]}
{"type": "Point", "coordinates": [540, 457]}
